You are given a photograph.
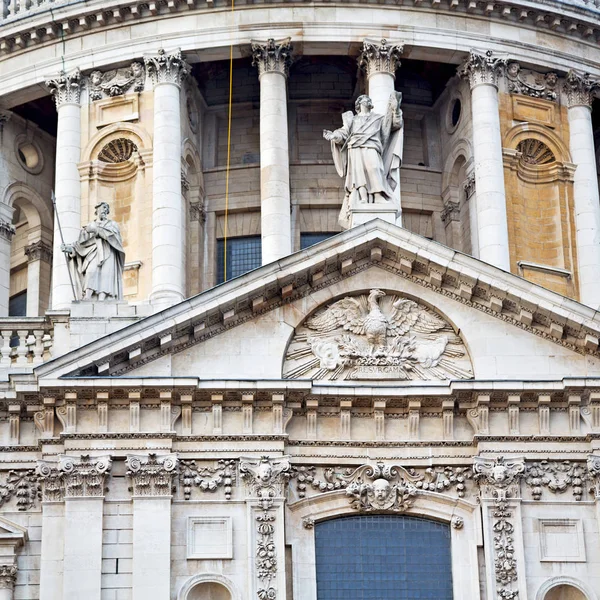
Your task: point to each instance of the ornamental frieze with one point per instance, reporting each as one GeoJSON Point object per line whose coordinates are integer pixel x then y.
{"type": "Point", "coordinates": [376, 336]}
{"type": "Point", "coordinates": [117, 82]}
{"type": "Point", "coordinates": [531, 83]}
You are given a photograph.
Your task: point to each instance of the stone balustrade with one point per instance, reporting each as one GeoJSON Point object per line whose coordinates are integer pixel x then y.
{"type": "Point", "coordinates": [26, 342]}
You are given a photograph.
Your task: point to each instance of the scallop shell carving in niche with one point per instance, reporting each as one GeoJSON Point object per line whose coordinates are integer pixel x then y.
{"type": "Point", "coordinates": [376, 336]}
{"type": "Point", "coordinates": [117, 151]}
{"type": "Point", "coordinates": [535, 152]}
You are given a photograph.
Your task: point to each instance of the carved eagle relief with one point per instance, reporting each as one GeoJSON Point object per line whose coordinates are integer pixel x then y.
{"type": "Point", "coordinates": [376, 336]}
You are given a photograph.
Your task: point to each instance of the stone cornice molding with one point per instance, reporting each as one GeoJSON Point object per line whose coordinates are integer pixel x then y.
{"type": "Point", "coordinates": [580, 89]}
{"type": "Point", "coordinates": [272, 56]}
{"type": "Point", "coordinates": [380, 57]}
{"type": "Point", "coordinates": [39, 251]}
{"type": "Point", "coordinates": [152, 475]}
{"type": "Point", "coordinates": [7, 230]}
{"type": "Point", "coordinates": [167, 67]}
{"type": "Point", "coordinates": [8, 576]}
{"type": "Point", "coordinates": [66, 88]}
{"type": "Point", "coordinates": [482, 69]}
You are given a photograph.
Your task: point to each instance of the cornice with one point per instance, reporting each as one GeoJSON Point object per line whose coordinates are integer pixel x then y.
{"type": "Point", "coordinates": [34, 27]}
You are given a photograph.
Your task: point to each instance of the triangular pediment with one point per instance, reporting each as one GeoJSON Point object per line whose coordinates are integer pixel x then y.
{"type": "Point", "coordinates": [377, 252]}
{"type": "Point", "coordinates": [12, 533]}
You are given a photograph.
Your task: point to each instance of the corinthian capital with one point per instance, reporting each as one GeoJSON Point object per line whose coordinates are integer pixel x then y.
{"type": "Point", "coordinates": [7, 231]}
{"type": "Point", "coordinates": [580, 88]}
{"type": "Point", "coordinates": [272, 56]}
{"type": "Point", "coordinates": [167, 68]}
{"type": "Point", "coordinates": [380, 57]}
{"type": "Point", "coordinates": [482, 68]}
{"type": "Point", "coordinates": [84, 476]}
{"type": "Point", "coordinates": [66, 88]}
{"type": "Point", "coordinates": [152, 475]}
{"type": "Point", "coordinates": [8, 575]}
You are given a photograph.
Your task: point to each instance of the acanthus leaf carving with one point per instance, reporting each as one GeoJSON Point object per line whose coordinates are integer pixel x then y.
{"type": "Point", "coordinates": [117, 82]}
{"type": "Point", "coordinates": [84, 476]}
{"type": "Point", "coordinates": [205, 478]}
{"type": "Point", "coordinates": [580, 88]}
{"type": "Point", "coordinates": [380, 57]}
{"type": "Point", "coordinates": [265, 477]}
{"type": "Point", "coordinates": [152, 475]}
{"type": "Point", "coordinates": [66, 87]}
{"type": "Point", "coordinates": [52, 480]}
{"type": "Point", "coordinates": [272, 56]}
{"type": "Point", "coordinates": [376, 336]}
{"type": "Point", "coordinates": [24, 485]}
{"type": "Point", "coordinates": [8, 576]}
{"type": "Point", "coordinates": [482, 69]}
{"type": "Point", "coordinates": [593, 469]}
{"type": "Point", "coordinates": [167, 67]}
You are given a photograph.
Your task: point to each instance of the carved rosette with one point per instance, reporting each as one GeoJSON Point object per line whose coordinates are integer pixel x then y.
{"type": "Point", "coordinates": [482, 69]}
{"type": "Point", "coordinates": [84, 477]}
{"type": "Point", "coordinates": [580, 89]}
{"type": "Point", "coordinates": [7, 231]}
{"type": "Point", "coordinates": [152, 475]}
{"type": "Point", "coordinates": [272, 56]}
{"type": "Point", "coordinates": [66, 88]}
{"type": "Point", "coordinates": [8, 576]}
{"type": "Point", "coordinates": [167, 68]}
{"type": "Point", "coordinates": [117, 82]}
{"type": "Point", "coordinates": [380, 57]}
{"type": "Point", "coordinates": [39, 251]}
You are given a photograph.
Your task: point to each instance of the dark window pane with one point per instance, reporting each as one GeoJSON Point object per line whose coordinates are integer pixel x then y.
{"type": "Point", "coordinates": [383, 557]}
{"type": "Point", "coordinates": [17, 305]}
{"type": "Point", "coordinates": [243, 255]}
{"type": "Point", "coordinates": [308, 239]}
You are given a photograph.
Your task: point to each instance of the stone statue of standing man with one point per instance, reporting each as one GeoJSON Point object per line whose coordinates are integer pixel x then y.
{"type": "Point", "coordinates": [365, 152]}
{"type": "Point", "coordinates": [97, 258]}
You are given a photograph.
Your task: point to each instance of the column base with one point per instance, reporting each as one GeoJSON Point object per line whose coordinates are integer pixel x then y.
{"type": "Point", "coordinates": [368, 212]}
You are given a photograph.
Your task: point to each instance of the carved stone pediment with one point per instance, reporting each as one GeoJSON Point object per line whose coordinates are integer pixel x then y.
{"type": "Point", "coordinates": [375, 336]}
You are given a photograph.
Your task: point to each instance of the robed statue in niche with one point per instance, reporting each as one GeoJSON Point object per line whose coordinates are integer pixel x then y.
{"type": "Point", "coordinates": [97, 258]}
{"type": "Point", "coordinates": [366, 153]}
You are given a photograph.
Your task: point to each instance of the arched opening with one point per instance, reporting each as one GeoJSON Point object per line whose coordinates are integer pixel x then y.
{"type": "Point", "coordinates": [384, 557]}
{"type": "Point", "coordinates": [565, 592]}
{"type": "Point", "coordinates": [456, 213]}
{"type": "Point", "coordinates": [209, 590]}
{"type": "Point", "coordinates": [192, 188]}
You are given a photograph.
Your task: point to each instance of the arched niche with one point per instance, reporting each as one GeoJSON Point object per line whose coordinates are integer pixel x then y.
{"type": "Point", "coordinates": [563, 587]}
{"type": "Point", "coordinates": [540, 209]}
{"type": "Point", "coordinates": [117, 168]}
{"type": "Point", "coordinates": [208, 586]}
{"type": "Point", "coordinates": [192, 188]}
{"type": "Point", "coordinates": [31, 251]}
{"type": "Point", "coordinates": [462, 516]}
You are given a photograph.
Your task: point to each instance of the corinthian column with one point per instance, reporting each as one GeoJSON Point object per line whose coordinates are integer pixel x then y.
{"type": "Point", "coordinates": [273, 60]}
{"type": "Point", "coordinates": [168, 277]}
{"type": "Point", "coordinates": [380, 62]}
{"type": "Point", "coordinates": [580, 90]}
{"type": "Point", "coordinates": [66, 89]}
{"type": "Point", "coordinates": [482, 73]}
{"type": "Point", "coordinates": [8, 576]}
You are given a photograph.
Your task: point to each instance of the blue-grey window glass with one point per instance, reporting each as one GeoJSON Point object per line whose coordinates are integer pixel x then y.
{"type": "Point", "coordinates": [308, 239]}
{"type": "Point", "coordinates": [243, 255]}
{"type": "Point", "coordinates": [17, 305]}
{"type": "Point", "coordinates": [383, 557]}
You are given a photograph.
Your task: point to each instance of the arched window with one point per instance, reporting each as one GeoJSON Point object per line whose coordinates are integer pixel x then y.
{"type": "Point", "coordinates": [565, 592]}
{"type": "Point", "coordinates": [383, 557]}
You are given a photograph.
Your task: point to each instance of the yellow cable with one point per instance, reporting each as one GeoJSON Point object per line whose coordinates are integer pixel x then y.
{"type": "Point", "coordinates": [228, 152]}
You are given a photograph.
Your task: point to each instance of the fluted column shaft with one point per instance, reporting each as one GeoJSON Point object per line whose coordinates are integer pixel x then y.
{"type": "Point", "coordinates": [482, 72]}
{"type": "Point", "coordinates": [273, 59]}
{"type": "Point", "coordinates": [168, 216]}
{"type": "Point", "coordinates": [579, 90]}
{"type": "Point", "coordinates": [66, 89]}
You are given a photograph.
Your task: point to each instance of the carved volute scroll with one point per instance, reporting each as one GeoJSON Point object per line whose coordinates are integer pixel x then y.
{"type": "Point", "coordinates": [376, 336]}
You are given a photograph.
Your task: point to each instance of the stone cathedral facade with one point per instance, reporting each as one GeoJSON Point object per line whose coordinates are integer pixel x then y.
{"type": "Point", "coordinates": [299, 300]}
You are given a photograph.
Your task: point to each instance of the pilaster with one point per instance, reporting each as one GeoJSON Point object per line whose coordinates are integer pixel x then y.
{"type": "Point", "coordinates": [7, 232]}
{"type": "Point", "coordinates": [265, 480]}
{"type": "Point", "coordinates": [499, 485]}
{"type": "Point", "coordinates": [152, 480]}
{"type": "Point", "coordinates": [8, 576]}
{"type": "Point", "coordinates": [39, 264]}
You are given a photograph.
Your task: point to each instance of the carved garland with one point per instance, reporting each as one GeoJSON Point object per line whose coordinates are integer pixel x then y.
{"type": "Point", "coordinates": [207, 479]}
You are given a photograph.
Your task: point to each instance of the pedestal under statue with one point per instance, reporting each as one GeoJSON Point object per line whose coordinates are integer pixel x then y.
{"type": "Point", "coordinates": [97, 259]}
{"type": "Point", "coordinates": [366, 153]}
